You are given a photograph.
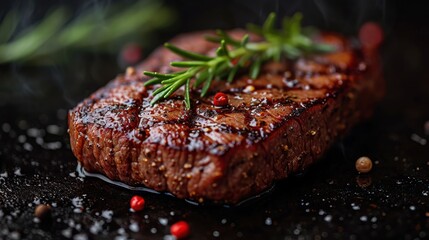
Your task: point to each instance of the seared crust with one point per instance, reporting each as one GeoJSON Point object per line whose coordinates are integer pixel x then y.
{"type": "Point", "coordinates": [297, 110]}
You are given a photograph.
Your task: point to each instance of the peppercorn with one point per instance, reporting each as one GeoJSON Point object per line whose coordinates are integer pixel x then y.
{"type": "Point", "coordinates": [137, 203]}
{"type": "Point", "coordinates": [180, 229]}
{"type": "Point", "coordinates": [131, 53]}
{"type": "Point", "coordinates": [220, 99]}
{"type": "Point", "coordinates": [42, 211]}
{"type": "Point", "coordinates": [363, 164]}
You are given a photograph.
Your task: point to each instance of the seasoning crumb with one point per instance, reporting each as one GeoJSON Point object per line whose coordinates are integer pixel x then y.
{"type": "Point", "coordinates": [363, 164]}
{"type": "Point", "coordinates": [130, 71]}
{"type": "Point", "coordinates": [42, 211]}
{"type": "Point", "coordinates": [249, 88]}
{"type": "Point", "coordinates": [285, 148]}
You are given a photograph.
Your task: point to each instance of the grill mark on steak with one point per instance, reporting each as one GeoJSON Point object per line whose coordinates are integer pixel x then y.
{"type": "Point", "coordinates": [297, 109]}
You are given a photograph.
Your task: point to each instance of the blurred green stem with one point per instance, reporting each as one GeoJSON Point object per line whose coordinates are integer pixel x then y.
{"type": "Point", "coordinates": [88, 31]}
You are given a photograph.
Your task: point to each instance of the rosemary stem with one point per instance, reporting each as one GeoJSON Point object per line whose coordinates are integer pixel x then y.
{"type": "Point", "coordinates": [239, 52]}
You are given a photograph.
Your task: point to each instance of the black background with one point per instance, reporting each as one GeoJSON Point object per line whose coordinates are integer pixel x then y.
{"type": "Point", "coordinates": [329, 201]}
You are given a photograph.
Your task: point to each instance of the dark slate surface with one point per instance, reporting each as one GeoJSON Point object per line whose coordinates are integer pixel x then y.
{"type": "Point", "coordinates": [328, 201]}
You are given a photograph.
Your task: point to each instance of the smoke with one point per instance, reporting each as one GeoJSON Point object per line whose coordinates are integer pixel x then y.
{"type": "Point", "coordinates": [348, 16]}
{"type": "Point", "coordinates": [344, 16]}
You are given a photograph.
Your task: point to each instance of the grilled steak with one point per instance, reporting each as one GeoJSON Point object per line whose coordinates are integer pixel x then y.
{"type": "Point", "coordinates": [274, 126]}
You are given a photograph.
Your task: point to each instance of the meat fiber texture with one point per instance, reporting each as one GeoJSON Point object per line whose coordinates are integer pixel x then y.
{"type": "Point", "coordinates": [274, 126]}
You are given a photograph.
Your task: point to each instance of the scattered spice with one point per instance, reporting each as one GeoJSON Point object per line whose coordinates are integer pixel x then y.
{"type": "Point", "coordinates": [363, 164]}
{"type": "Point", "coordinates": [130, 71]}
{"type": "Point", "coordinates": [220, 99]}
{"type": "Point", "coordinates": [249, 88]}
{"type": "Point", "coordinates": [180, 229]}
{"type": "Point", "coordinates": [131, 53]}
{"type": "Point", "coordinates": [42, 211]}
{"type": "Point", "coordinates": [137, 203]}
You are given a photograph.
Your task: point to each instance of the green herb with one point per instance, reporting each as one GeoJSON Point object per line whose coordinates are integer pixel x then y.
{"type": "Point", "coordinates": [232, 55]}
{"type": "Point", "coordinates": [97, 29]}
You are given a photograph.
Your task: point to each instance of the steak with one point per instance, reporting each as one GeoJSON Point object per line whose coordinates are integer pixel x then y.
{"type": "Point", "coordinates": [274, 126]}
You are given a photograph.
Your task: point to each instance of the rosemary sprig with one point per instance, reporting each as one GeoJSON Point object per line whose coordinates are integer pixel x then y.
{"type": "Point", "coordinates": [232, 55]}
{"type": "Point", "coordinates": [104, 28]}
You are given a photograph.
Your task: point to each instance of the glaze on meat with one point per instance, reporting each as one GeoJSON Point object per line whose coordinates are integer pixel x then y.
{"type": "Point", "coordinates": [286, 121]}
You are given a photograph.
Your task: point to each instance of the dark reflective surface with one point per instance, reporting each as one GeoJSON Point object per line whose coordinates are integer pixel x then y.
{"type": "Point", "coordinates": [329, 201]}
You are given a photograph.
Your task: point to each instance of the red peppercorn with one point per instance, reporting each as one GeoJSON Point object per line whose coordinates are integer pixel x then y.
{"type": "Point", "coordinates": [131, 53]}
{"type": "Point", "coordinates": [43, 212]}
{"type": "Point", "coordinates": [180, 229]}
{"type": "Point", "coordinates": [220, 99]}
{"type": "Point", "coordinates": [137, 203]}
{"type": "Point", "coordinates": [371, 35]}
{"type": "Point", "coordinates": [235, 61]}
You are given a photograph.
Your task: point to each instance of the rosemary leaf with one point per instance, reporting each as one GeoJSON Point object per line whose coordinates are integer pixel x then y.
{"type": "Point", "coordinates": [153, 81]}
{"type": "Point", "coordinates": [254, 69]}
{"type": "Point", "coordinates": [222, 70]}
{"type": "Point", "coordinates": [231, 74]}
{"type": "Point", "coordinates": [174, 79]}
{"type": "Point", "coordinates": [187, 54]}
{"type": "Point", "coordinates": [295, 24]}
{"type": "Point", "coordinates": [158, 96]}
{"type": "Point", "coordinates": [244, 40]}
{"type": "Point", "coordinates": [291, 51]}
{"type": "Point", "coordinates": [160, 90]}
{"type": "Point", "coordinates": [187, 98]}
{"type": "Point", "coordinates": [201, 78]}
{"type": "Point", "coordinates": [214, 39]}
{"type": "Point", "coordinates": [187, 64]}
{"type": "Point", "coordinates": [161, 75]}
{"type": "Point", "coordinates": [225, 37]}
{"type": "Point", "coordinates": [207, 84]}
{"type": "Point", "coordinates": [224, 48]}
{"type": "Point", "coordinates": [173, 87]}
{"type": "Point", "coordinates": [268, 26]}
